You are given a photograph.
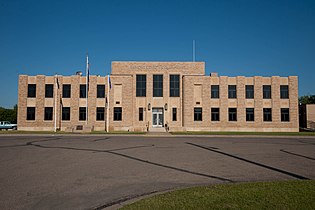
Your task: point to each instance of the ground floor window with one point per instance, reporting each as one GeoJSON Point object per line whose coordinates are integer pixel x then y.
{"type": "Point", "coordinates": [267, 114]}
{"type": "Point", "coordinates": [215, 114]}
{"type": "Point", "coordinates": [232, 114]}
{"type": "Point", "coordinates": [141, 114]}
{"type": "Point", "coordinates": [250, 116]}
{"type": "Point", "coordinates": [174, 114]}
{"type": "Point", "coordinates": [117, 113]}
{"type": "Point", "coordinates": [285, 115]}
{"type": "Point", "coordinates": [65, 113]}
{"type": "Point", "coordinates": [82, 113]}
{"type": "Point", "coordinates": [100, 113]}
{"type": "Point", "coordinates": [197, 114]}
{"type": "Point", "coordinates": [30, 113]}
{"type": "Point", "coordinates": [48, 113]}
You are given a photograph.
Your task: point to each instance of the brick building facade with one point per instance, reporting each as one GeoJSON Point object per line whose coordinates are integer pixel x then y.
{"type": "Point", "coordinates": [174, 96]}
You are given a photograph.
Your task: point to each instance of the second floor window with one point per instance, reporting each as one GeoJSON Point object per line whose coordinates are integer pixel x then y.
{"type": "Point", "coordinates": [66, 91]}
{"type": "Point", "coordinates": [158, 85]}
{"type": "Point", "coordinates": [174, 85]}
{"type": "Point", "coordinates": [82, 91]}
{"type": "Point", "coordinates": [284, 91]}
{"type": "Point", "coordinates": [266, 91]}
{"type": "Point", "coordinates": [49, 90]}
{"type": "Point", "coordinates": [141, 85]}
{"type": "Point", "coordinates": [249, 91]}
{"type": "Point", "coordinates": [215, 92]}
{"type": "Point", "coordinates": [100, 91]}
{"type": "Point", "coordinates": [31, 91]}
{"type": "Point", "coordinates": [232, 91]}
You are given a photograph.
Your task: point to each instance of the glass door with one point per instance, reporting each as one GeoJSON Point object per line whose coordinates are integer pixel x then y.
{"type": "Point", "coordinates": [157, 117]}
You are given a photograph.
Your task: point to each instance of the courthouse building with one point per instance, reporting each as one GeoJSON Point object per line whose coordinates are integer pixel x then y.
{"type": "Point", "coordinates": [158, 96]}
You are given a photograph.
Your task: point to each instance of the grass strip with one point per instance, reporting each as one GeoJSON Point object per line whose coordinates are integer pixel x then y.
{"type": "Point", "coordinates": [244, 133]}
{"type": "Point", "coordinates": [260, 195]}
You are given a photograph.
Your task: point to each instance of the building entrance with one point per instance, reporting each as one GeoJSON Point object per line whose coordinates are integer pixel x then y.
{"type": "Point", "coordinates": [157, 117]}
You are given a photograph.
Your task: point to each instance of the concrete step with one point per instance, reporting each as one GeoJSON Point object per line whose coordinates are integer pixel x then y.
{"type": "Point", "coordinates": [162, 129]}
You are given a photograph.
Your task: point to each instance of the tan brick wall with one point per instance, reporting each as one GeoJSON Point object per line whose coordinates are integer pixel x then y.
{"type": "Point", "coordinates": [195, 91]}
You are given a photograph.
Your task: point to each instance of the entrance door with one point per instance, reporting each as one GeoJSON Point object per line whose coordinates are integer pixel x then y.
{"type": "Point", "coordinates": [157, 117]}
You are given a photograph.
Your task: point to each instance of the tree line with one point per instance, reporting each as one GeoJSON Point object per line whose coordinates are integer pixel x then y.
{"type": "Point", "coordinates": [9, 114]}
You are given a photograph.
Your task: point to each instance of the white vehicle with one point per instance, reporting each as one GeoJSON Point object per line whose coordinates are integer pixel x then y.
{"type": "Point", "coordinates": [7, 125]}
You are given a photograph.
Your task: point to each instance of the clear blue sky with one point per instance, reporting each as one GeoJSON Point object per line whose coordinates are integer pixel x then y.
{"type": "Point", "coordinates": [233, 37]}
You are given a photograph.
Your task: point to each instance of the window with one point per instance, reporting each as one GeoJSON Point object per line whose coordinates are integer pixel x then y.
{"type": "Point", "coordinates": [174, 85]}
{"type": "Point", "coordinates": [197, 114]}
{"type": "Point", "coordinates": [174, 114]}
{"type": "Point", "coordinates": [266, 91]}
{"type": "Point", "coordinates": [141, 85]}
{"type": "Point", "coordinates": [100, 113]}
{"type": "Point", "coordinates": [285, 115]}
{"type": "Point", "coordinates": [82, 113]}
{"type": "Point", "coordinates": [82, 91]}
{"type": "Point", "coordinates": [249, 91]}
{"type": "Point", "coordinates": [30, 113]}
{"type": "Point", "coordinates": [49, 90]}
{"type": "Point", "coordinates": [232, 114]}
{"type": "Point", "coordinates": [232, 91]}
{"type": "Point", "coordinates": [215, 92]}
{"type": "Point", "coordinates": [100, 91]}
{"type": "Point", "coordinates": [65, 113]}
{"type": "Point", "coordinates": [66, 91]}
{"type": "Point", "coordinates": [140, 114]}
{"type": "Point", "coordinates": [117, 113]}
{"type": "Point", "coordinates": [48, 113]}
{"type": "Point", "coordinates": [284, 91]}
{"type": "Point", "coordinates": [215, 114]}
{"type": "Point", "coordinates": [267, 114]}
{"type": "Point", "coordinates": [31, 92]}
{"type": "Point", "coordinates": [158, 85]}
{"type": "Point", "coordinates": [250, 114]}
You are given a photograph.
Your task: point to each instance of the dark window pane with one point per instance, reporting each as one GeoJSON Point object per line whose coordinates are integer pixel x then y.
{"type": "Point", "coordinates": [48, 113]}
{"type": "Point", "coordinates": [267, 114]}
{"type": "Point", "coordinates": [31, 93]}
{"type": "Point", "coordinates": [285, 115]}
{"type": "Point", "coordinates": [157, 85]}
{"type": "Point", "coordinates": [174, 114]}
{"type": "Point", "coordinates": [284, 91]}
{"type": "Point", "coordinates": [65, 113]}
{"type": "Point", "coordinates": [82, 113]}
{"type": "Point", "coordinates": [174, 86]}
{"type": "Point", "coordinates": [215, 114]}
{"type": "Point", "coordinates": [117, 113]}
{"type": "Point", "coordinates": [140, 114]}
{"type": "Point", "coordinates": [100, 91]}
{"type": "Point", "coordinates": [30, 115]}
{"type": "Point", "coordinates": [82, 91]}
{"type": "Point", "coordinates": [197, 114]}
{"type": "Point", "coordinates": [250, 114]}
{"type": "Point", "coordinates": [266, 91]}
{"type": "Point", "coordinates": [100, 111]}
{"type": "Point", "coordinates": [66, 91]}
{"type": "Point", "coordinates": [249, 91]}
{"type": "Point", "coordinates": [141, 85]}
{"type": "Point", "coordinates": [215, 92]}
{"type": "Point", "coordinates": [232, 91]}
{"type": "Point", "coordinates": [49, 90]}
{"type": "Point", "coordinates": [232, 114]}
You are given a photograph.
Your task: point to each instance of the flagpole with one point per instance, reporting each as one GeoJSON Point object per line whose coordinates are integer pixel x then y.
{"type": "Point", "coordinates": [55, 108]}
{"type": "Point", "coordinates": [107, 115]}
{"type": "Point", "coordinates": [86, 88]}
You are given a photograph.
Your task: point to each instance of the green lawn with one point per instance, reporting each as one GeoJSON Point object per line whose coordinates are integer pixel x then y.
{"type": "Point", "coordinates": [244, 133]}
{"type": "Point", "coordinates": [261, 195]}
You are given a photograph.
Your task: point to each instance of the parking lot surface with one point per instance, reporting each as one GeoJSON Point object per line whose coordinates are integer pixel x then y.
{"type": "Point", "coordinates": [100, 171]}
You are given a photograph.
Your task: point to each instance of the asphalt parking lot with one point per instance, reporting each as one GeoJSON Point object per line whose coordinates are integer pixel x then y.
{"type": "Point", "coordinates": [98, 171]}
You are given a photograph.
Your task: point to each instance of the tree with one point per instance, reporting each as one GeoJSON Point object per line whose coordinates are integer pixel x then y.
{"type": "Point", "coordinates": [8, 114]}
{"type": "Point", "coordinates": [307, 99]}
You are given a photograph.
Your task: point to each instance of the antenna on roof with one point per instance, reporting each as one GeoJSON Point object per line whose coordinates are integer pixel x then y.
{"type": "Point", "coordinates": [194, 51]}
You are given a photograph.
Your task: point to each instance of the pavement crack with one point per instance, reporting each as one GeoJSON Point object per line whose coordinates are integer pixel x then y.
{"type": "Point", "coordinates": [291, 153]}
{"type": "Point", "coordinates": [297, 176]}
